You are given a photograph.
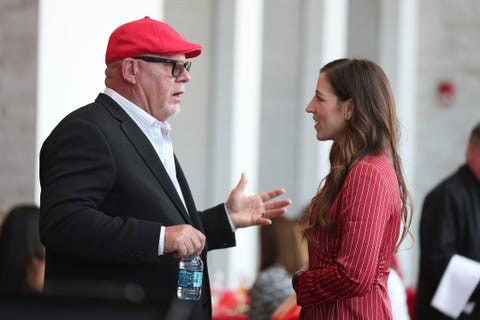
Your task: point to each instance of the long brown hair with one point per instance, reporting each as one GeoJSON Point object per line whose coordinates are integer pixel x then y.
{"type": "Point", "coordinates": [372, 129]}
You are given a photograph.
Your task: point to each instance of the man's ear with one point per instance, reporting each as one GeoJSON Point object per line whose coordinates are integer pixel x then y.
{"type": "Point", "coordinates": [129, 70]}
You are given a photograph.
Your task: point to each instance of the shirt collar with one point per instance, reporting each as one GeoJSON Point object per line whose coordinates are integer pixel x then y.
{"type": "Point", "coordinates": [140, 116]}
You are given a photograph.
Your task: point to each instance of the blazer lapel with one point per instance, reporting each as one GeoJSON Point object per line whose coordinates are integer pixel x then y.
{"type": "Point", "coordinates": [146, 151]}
{"type": "Point", "coordinates": [187, 196]}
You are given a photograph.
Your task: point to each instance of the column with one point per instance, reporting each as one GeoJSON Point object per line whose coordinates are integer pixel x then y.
{"type": "Point", "coordinates": [324, 39]}
{"type": "Point", "coordinates": [235, 116]}
{"type": "Point", "coordinates": [398, 50]}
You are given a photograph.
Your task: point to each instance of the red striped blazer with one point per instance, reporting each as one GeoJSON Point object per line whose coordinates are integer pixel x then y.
{"type": "Point", "coordinates": [348, 269]}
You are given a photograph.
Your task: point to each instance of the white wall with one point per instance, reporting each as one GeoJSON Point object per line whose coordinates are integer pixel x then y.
{"type": "Point", "coordinates": [73, 37]}
{"type": "Point", "coordinates": [449, 49]}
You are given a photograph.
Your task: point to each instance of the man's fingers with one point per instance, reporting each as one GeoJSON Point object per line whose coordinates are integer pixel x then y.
{"type": "Point", "coordinates": [277, 204]}
{"type": "Point", "coordinates": [198, 243]}
{"type": "Point", "coordinates": [276, 213]}
{"type": "Point", "coordinates": [184, 240]}
{"type": "Point", "coordinates": [268, 195]}
{"type": "Point", "coordinates": [273, 210]}
{"type": "Point", "coordinates": [181, 250]}
{"type": "Point", "coordinates": [242, 184]}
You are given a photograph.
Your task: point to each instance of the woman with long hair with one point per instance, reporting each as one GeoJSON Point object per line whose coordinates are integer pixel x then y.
{"type": "Point", "coordinates": [22, 255]}
{"type": "Point", "coordinates": [353, 224]}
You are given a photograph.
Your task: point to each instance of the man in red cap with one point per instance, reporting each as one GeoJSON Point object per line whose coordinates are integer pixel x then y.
{"type": "Point", "coordinates": [115, 204]}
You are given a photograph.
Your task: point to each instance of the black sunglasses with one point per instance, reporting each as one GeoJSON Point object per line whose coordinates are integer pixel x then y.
{"type": "Point", "coordinates": [177, 65]}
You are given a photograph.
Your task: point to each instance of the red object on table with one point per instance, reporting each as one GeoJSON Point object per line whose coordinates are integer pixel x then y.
{"type": "Point", "coordinates": [292, 314]}
{"type": "Point", "coordinates": [229, 317]}
{"type": "Point", "coordinates": [226, 308]}
{"type": "Point", "coordinates": [228, 300]}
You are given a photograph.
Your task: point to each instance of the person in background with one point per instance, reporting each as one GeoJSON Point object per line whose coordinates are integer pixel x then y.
{"type": "Point", "coordinates": [354, 221]}
{"type": "Point", "coordinates": [3, 214]}
{"type": "Point", "coordinates": [282, 252]}
{"type": "Point", "coordinates": [22, 255]}
{"type": "Point", "coordinates": [449, 225]}
{"type": "Point", "coordinates": [115, 205]}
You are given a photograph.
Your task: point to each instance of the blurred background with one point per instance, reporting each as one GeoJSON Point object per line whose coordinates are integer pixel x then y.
{"type": "Point", "coordinates": [244, 108]}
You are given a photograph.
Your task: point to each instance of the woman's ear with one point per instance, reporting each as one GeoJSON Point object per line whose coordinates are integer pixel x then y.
{"type": "Point", "coordinates": [348, 109]}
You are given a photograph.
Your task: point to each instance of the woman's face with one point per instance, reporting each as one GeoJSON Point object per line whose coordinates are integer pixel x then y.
{"type": "Point", "coordinates": [328, 112]}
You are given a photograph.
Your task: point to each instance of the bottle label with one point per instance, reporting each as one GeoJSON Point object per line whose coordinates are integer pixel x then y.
{"type": "Point", "coordinates": [189, 279]}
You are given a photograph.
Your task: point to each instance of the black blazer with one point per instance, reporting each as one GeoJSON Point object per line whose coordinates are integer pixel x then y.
{"type": "Point", "coordinates": [104, 196]}
{"type": "Point", "coordinates": [450, 224]}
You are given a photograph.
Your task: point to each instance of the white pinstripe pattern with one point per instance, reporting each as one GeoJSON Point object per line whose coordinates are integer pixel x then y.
{"type": "Point", "coordinates": [349, 270]}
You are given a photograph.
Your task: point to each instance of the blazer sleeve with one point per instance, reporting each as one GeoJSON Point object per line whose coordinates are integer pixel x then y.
{"type": "Point", "coordinates": [77, 171]}
{"type": "Point", "coordinates": [217, 228]}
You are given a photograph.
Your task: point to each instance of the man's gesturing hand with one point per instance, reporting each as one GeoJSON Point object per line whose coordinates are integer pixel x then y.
{"type": "Point", "coordinates": [253, 210]}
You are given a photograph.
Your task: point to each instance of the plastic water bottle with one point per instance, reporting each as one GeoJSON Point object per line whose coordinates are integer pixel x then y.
{"type": "Point", "coordinates": [190, 275]}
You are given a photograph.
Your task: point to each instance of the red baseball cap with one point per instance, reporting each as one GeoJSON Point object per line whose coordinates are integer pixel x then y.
{"type": "Point", "coordinates": [148, 36]}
